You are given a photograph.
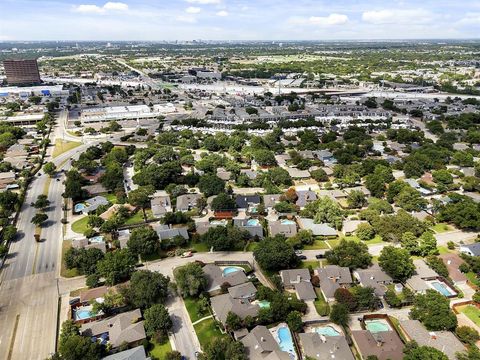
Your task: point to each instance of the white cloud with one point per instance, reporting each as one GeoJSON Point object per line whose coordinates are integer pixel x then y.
{"type": "Point", "coordinates": [205, 2]}
{"type": "Point", "coordinates": [186, 18]}
{"type": "Point", "coordinates": [222, 13]}
{"type": "Point", "coordinates": [388, 16]}
{"type": "Point", "coordinates": [115, 6]}
{"type": "Point", "coordinates": [470, 19]}
{"type": "Point", "coordinates": [192, 10]}
{"type": "Point", "coordinates": [330, 20]}
{"type": "Point", "coordinates": [95, 9]}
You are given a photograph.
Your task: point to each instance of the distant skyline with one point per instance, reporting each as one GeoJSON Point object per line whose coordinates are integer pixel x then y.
{"type": "Point", "coordinates": [150, 20]}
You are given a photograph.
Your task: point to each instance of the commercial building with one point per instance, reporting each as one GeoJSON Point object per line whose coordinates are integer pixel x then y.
{"type": "Point", "coordinates": [22, 72]}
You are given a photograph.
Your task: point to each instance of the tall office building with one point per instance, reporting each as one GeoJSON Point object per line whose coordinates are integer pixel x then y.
{"type": "Point", "coordinates": [22, 72]}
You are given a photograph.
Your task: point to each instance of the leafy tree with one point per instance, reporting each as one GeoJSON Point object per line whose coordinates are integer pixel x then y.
{"type": "Point", "coordinates": [233, 321]}
{"type": "Point", "coordinates": [157, 319]}
{"type": "Point", "coordinates": [275, 254]}
{"type": "Point", "coordinates": [344, 296]}
{"type": "Point", "coordinates": [223, 238]}
{"type": "Point", "coordinates": [264, 157]}
{"type": "Point", "coordinates": [73, 186]}
{"type": "Point", "coordinates": [365, 297]}
{"type": "Point", "coordinates": [365, 232]}
{"type": "Point", "coordinates": [140, 197]}
{"type": "Point", "coordinates": [145, 289]}
{"type": "Point", "coordinates": [437, 265]}
{"type": "Point", "coordinates": [423, 353]}
{"type": "Point", "coordinates": [191, 280]}
{"type": "Point", "coordinates": [410, 199]}
{"type": "Point", "coordinates": [319, 175]}
{"type": "Point", "coordinates": [392, 227]}
{"type": "Point", "coordinates": [73, 346]}
{"type": "Point", "coordinates": [49, 168]}
{"type": "Point", "coordinates": [433, 310]}
{"type": "Point", "coordinates": [211, 185]}
{"type": "Point", "coordinates": [173, 355]}
{"type": "Point", "coordinates": [326, 210]}
{"type": "Point", "coordinates": [84, 260]}
{"type": "Point", "coordinates": [117, 266]}
{"type": "Point", "coordinates": [349, 254]}
{"type": "Point", "coordinates": [143, 241]}
{"type": "Point", "coordinates": [376, 181]}
{"type": "Point", "coordinates": [224, 349]}
{"type": "Point", "coordinates": [39, 218]}
{"type": "Point", "coordinates": [42, 202]}
{"type": "Point", "coordinates": [339, 314]}
{"type": "Point", "coordinates": [356, 199]}
{"type": "Point", "coordinates": [472, 353]}
{"type": "Point", "coordinates": [294, 321]}
{"type": "Point", "coordinates": [223, 202]}
{"type": "Point", "coordinates": [397, 263]}
{"type": "Point", "coordinates": [280, 176]}
{"type": "Point", "coordinates": [467, 334]}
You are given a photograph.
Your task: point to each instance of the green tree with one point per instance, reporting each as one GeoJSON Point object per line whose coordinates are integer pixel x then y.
{"type": "Point", "coordinates": [117, 266]}
{"type": "Point", "coordinates": [344, 296]}
{"type": "Point", "coordinates": [275, 254]}
{"type": "Point", "coordinates": [410, 199]}
{"type": "Point", "coordinates": [472, 353]}
{"type": "Point", "coordinates": [73, 346]}
{"type": "Point", "coordinates": [339, 314]}
{"type": "Point", "coordinates": [140, 197]}
{"type": "Point", "coordinates": [365, 232]}
{"type": "Point", "coordinates": [433, 310]}
{"type": "Point", "coordinates": [157, 319]}
{"type": "Point", "coordinates": [423, 353]}
{"type": "Point", "coordinates": [356, 199]}
{"type": "Point", "coordinates": [49, 168]}
{"type": "Point", "coordinates": [211, 185]}
{"type": "Point", "coordinates": [145, 289]}
{"type": "Point", "coordinates": [467, 335]}
{"type": "Point", "coordinates": [42, 202]}
{"type": "Point", "coordinates": [191, 280]}
{"type": "Point", "coordinates": [233, 321]}
{"type": "Point", "coordinates": [326, 210]}
{"type": "Point", "coordinates": [223, 349]}
{"type": "Point", "coordinates": [224, 238]}
{"type": "Point", "coordinates": [294, 321]}
{"type": "Point", "coordinates": [223, 202]}
{"type": "Point", "coordinates": [39, 218]}
{"type": "Point", "coordinates": [349, 254]}
{"type": "Point", "coordinates": [143, 241]}
{"type": "Point", "coordinates": [397, 263]}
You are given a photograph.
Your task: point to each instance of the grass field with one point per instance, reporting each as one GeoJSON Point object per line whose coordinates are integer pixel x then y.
{"type": "Point", "coordinates": [159, 351]}
{"type": "Point", "coordinates": [62, 146]}
{"type": "Point", "coordinates": [376, 240]}
{"type": "Point", "coordinates": [252, 246]}
{"type": "Point", "coordinates": [192, 307]}
{"type": "Point", "coordinates": [111, 197]}
{"type": "Point", "coordinates": [441, 227]}
{"type": "Point", "coordinates": [207, 331]}
{"type": "Point", "coordinates": [81, 225]}
{"type": "Point", "coordinates": [317, 245]}
{"type": "Point", "coordinates": [306, 263]}
{"type": "Point", "coordinates": [322, 307]}
{"type": "Point", "coordinates": [472, 312]}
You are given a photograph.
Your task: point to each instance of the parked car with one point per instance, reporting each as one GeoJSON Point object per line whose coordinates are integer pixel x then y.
{"type": "Point", "coordinates": [320, 256]}
{"type": "Point", "coordinates": [187, 254]}
{"type": "Point", "coordinates": [298, 252]}
{"type": "Point", "coordinates": [302, 257]}
{"type": "Point", "coordinates": [74, 301]}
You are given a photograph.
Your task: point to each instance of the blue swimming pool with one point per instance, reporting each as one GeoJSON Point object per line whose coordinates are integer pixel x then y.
{"type": "Point", "coordinates": [287, 222]}
{"type": "Point", "coordinates": [253, 222]}
{"type": "Point", "coordinates": [79, 207]}
{"type": "Point", "coordinates": [264, 304]}
{"type": "Point", "coordinates": [377, 325]}
{"type": "Point", "coordinates": [83, 313]}
{"type": "Point", "coordinates": [231, 269]}
{"type": "Point", "coordinates": [327, 331]}
{"type": "Point", "coordinates": [285, 341]}
{"type": "Point", "coordinates": [441, 288]}
{"type": "Point", "coordinates": [97, 239]}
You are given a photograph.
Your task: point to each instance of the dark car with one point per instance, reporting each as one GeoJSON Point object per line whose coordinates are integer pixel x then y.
{"type": "Point", "coordinates": [302, 257]}
{"type": "Point", "coordinates": [320, 256]}
{"type": "Point", "coordinates": [74, 301]}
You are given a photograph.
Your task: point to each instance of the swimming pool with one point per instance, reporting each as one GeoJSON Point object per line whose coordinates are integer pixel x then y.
{"type": "Point", "coordinates": [287, 222]}
{"type": "Point", "coordinates": [327, 331]}
{"type": "Point", "coordinates": [285, 341]}
{"type": "Point", "coordinates": [79, 207]}
{"type": "Point", "coordinates": [253, 222]}
{"type": "Point", "coordinates": [442, 288]}
{"type": "Point", "coordinates": [97, 239]}
{"type": "Point", "coordinates": [83, 313]}
{"type": "Point", "coordinates": [231, 270]}
{"type": "Point", "coordinates": [377, 325]}
{"type": "Point", "coordinates": [264, 304]}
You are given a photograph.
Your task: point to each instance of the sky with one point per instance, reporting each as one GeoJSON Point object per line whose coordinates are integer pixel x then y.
{"type": "Point", "coordinates": [152, 20]}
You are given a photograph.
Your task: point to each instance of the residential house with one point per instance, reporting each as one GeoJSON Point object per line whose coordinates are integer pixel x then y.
{"type": "Point", "coordinates": [261, 345]}
{"type": "Point", "coordinates": [453, 262]}
{"type": "Point", "coordinates": [288, 228]}
{"type": "Point", "coordinates": [362, 189]}
{"type": "Point", "coordinates": [123, 237]}
{"type": "Point", "coordinates": [246, 291]}
{"type": "Point", "coordinates": [247, 202]}
{"type": "Point", "coordinates": [94, 203]}
{"type": "Point", "coordinates": [160, 205]}
{"type": "Point", "coordinates": [296, 173]}
{"type": "Point", "coordinates": [252, 226]}
{"type": "Point", "coordinates": [305, 197]}
{"type": "Point", "coordinates": [165, 232]}
{"type": "Point", "coordinates": [251, 174]}
{"type": "Point", "coordinates": [418, 281]}
{"type": "Point", "coordinates": [470, 249]}
{"type": "Point", "coordinates": [203, 226]}
{"type": "Point", "coordinates": [299, 279]}
{"type": "Point", "coordinates": [216, 277]}
{"type": "Point", "coordinates": [224, 174]}
{"type": "Point", "coordinates": [385, 345]}
{"type": "Point", "coordinates": [85, 243]}
{"type": "Point", "coordinates": [223, 304]}
{"type": "Point", "coordinates": [322, 347]}
{"type": "Point", "coordinates": [444, 341]}
{"type": "Point", "coordinates": [95, 189]}
{"type": "Point", "coordinates": [317, 229]}
{"type": "Point", "coordinates": [6, 178]}
{"type": "Point", "coordinates": [187, 202]}
{"type": "Point", "coordinates": [374, 277]}
{"type": "Point", "coordinates": [333, 277]}
{"type": "Point", "coordinates": [136, 353]}
{"type": "Point", "coordinates": [125, 328]}
{"type": "Point", "coordinates": [349, 227]}
{"type": "Point", "coordinates": [270, 200]}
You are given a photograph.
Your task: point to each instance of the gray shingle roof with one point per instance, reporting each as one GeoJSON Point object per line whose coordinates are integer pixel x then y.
{"type": "Point", "coordinates": [325, 347]}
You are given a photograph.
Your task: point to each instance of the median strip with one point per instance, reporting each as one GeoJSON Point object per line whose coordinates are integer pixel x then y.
{"type": "Point", "coordinates": [14, 335]}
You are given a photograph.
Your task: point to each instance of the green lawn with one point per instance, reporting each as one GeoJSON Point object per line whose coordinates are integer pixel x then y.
{"type": "Point", "coordinates": [111, 197]}
{"type": "Point", "coordinates": [472, 277]}
{"type": "Point", "coordinates": [443, 250]}
{"type": "Point", "coordinates": [207, 331]}
{"type": "Point", "coordinates": [81, 225]}
{"type": "Point", "coordinates": [192, 307]}
{"type": "Point", "coordinates": [333, 243]}
{"type": "Point", "coordinates": [160, 350]}
{"type": "Point", "coordinates": [317, 245]}
{"type": "Point", "coordinates": [441, 227]}
{"type": "Point", "coordinates": [376, 240]}
{"type": "Point", "coordinates": [199, 246]}
{"type": "Point", "coordinates": [64, 272]}
{"type": "Point", "coordinates": [62, 146]}
{"type": "Point", "coordinates": [252, 246]}
{"type": "Point", "coordinates": [323, 309]}
{"type": "Point", "coordinates": [306, 263]}
{"type": "Point", "coordinates": [137, 218]}
{"type": "Point", "coordinates": [472, 312]}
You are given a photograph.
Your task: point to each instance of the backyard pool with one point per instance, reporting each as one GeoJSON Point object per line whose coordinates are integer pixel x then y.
{"type": "Point", "coordinates": [264, 304]}
{"type": "Point", "coordinates": [442, 288]}
{"type": "Point", "coordinates": [253, 222]}
{"type": "Point", "coordinates": [97, 239]}
{"type": "Point", "coordinates": [327, 331]}
{"type": "Point", "coordinates": [285, 341]}
{"type": "Point", "coordinates": [78, 208]}
{"type": "Point", "coordinates": [230, 270]}
{"type": "Point", "coordinates": [377, 325]}
{"type": "Point", "coordinates": [287, 222]}
{"type": "Point", "coordinates": [83, 313]}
